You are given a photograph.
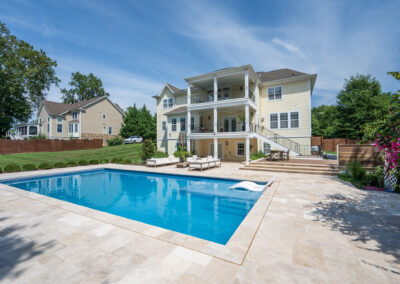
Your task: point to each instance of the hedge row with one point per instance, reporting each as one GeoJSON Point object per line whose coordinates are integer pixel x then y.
{"type": "Point", "coordinates": [10, 168]}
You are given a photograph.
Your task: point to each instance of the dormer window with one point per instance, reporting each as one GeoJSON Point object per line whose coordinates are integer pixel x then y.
{"type": "Point", "coordinates": [74, 115]}
{"type": "Point", "coordinates": [275, 93]}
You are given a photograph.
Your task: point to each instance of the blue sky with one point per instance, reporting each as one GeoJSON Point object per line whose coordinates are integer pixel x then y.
{"type": "Point", "coordinates": [137, 46]}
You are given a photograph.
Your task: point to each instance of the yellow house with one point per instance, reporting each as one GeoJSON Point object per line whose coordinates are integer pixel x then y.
{"type": "Point", "coordinates": [97, 118]}
{"type": "Point", "coordinates": [233, 112]}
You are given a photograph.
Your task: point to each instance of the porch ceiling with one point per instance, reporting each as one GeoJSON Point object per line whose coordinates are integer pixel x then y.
{"type": "Point", "coordinates": [226, 81]}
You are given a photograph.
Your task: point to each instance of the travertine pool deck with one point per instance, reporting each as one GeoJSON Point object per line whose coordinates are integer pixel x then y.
{"type": "Point", "coordinates": [305, 229]}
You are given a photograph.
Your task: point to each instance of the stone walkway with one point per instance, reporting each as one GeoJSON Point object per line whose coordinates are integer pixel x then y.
{"type": "Point", "coordinates": [316, 229]}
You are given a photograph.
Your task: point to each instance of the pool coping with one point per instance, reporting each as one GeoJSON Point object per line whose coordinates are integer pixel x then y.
{"type": "Point", "coordinates": [234, 250]}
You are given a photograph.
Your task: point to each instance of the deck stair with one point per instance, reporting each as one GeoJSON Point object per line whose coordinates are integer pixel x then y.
{"type": "Point", "coordinates": [293, 167]}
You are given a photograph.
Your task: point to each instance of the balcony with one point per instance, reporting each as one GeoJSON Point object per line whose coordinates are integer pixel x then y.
{"type": "Point", "coordinates": [209, 97]}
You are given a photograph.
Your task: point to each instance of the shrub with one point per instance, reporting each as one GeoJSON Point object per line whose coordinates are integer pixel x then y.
{"type": "Point", "coordinates": [147, 149]}
{"type": "Point", "coordinates": [257, 155]}
{"type": "Point", "coordinates": [83, 163]}
{"type": "Point", "coordinates": [29, 167]}
{"type": "Point", "coordinates": [72, 164]}
{"type": "Point", "coordinates": [94, 162]}
{"type": "Point", "coordinates": [127, 161]}
{"type": "Point", "coordinates": [45, 166]}
{"type": "Point", "coordinates": [181, 153]}
{"type": "Point", "coordinates": [117, 160]}
{"type": "Point", "coordinates": [356, 170]}
{"type": "Point", "coordinates": [10, 168]}
{"type": "Point", "coordinates": [60, 165]}
{"type": "Point", "coordinates": [38, 137]}
{"type": "Point", "coordinates": [104, 161]}
{"type": "Point", "coordinates": [115, 141]}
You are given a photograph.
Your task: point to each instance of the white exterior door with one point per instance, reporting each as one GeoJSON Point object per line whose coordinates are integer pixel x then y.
{"type": "Point", "coordinates": [220, 154]}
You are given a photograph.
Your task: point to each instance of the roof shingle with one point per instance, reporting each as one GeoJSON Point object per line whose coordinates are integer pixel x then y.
{"type": "Point", "coordinates": [55, 108]}
{"type": "Point", "coordinates": [279, 75]}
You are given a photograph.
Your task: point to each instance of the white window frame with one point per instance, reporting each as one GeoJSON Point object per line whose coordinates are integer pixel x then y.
{"type": "Point", "coordinates": [176, 124]}
{"type": "Point", "coordinates": [74, 115]}
{"type": "Point", "coordinates": [110, 130]}
{"type": "Point", "coordinates": [60, 124]}
{"type": "Point", "coordinates": [237, 148]}
{"type": "Point", "coordinates": [180, 123]}
{"type": "Point", "coordinates": [281, 120]}
{"type": "Point", "coordinates": [298, 119]}
{"type": "Point", "coordinates": [274, 87]}
{"type": "Point", "coordinates": [269, 150]}
{"type": "Point", "coordinates": [71, 127]}
{"type": "Point", "coordinates": [59, 119]}
{"type": "Point", "coordinates": [289, 120]}
{"type": "Point", "coordinates": [277, 127]}
{"type": "Point", "coordinates": [169, 103]}
{"type": "Point", "coordinates": [164, 125]}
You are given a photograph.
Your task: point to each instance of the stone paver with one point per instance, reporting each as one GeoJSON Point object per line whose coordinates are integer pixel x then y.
{"type": "Point", "coordinates": [316, 229]}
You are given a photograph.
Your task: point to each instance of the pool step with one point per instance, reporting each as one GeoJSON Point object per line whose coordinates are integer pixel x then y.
{"type": "Point", "coordinates": [293, 168]}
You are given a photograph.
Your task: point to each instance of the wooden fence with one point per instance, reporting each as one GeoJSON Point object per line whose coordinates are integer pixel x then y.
{"type": "Point", "coordinates": [29, 146]}
{"type": "Point", "coordinates": [330, 143]}
{"type": "Point", "coordinates": [367, 155]}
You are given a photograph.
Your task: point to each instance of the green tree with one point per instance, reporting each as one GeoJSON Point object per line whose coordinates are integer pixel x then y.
{"type": "Point", "coordinates": [139, 122]}
{"type": "Point", "coordinates": [324, 121]}
{"type": "Point", "coordinates": [25, 76]}
{"type": "Point", "coordinates": [83, 87]}
{"type": "Point", "coordinates": [360, 103]}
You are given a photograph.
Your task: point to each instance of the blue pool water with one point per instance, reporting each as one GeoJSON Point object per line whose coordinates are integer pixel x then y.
{"type": "Point", "coordinates": [202, 207]}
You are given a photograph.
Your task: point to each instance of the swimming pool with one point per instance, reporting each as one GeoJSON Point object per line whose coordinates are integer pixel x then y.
{"type": "Point", "coordinates": [202, 207]}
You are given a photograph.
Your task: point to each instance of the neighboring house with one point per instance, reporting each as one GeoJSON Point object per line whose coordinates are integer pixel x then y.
{"type": "Point", "coordinates": [23, 131]}
{"type": "Point", "coordinates": [97, 118]}
{"type": "Point", "coordinates": [233, 112]}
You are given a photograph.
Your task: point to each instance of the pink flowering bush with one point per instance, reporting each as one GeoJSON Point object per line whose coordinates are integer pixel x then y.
{"type": "Point", "coordinates": [391, 147]}
{"type": "Point", "coordinates": [369, 187]}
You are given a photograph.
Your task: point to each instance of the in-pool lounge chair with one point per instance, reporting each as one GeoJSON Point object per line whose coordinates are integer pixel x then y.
{"type": "Point", "coordinates": [154, 162]}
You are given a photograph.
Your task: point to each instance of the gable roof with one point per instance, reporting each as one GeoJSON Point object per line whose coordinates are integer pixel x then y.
{"type": "Point", "coordinates": [173, 88]}
{"type": "Point", "coordinates": [279, 75]}
{"type": "Point", "coordinates": [177, 110]}
{"type": "Point", "coordinates": [54, 108]}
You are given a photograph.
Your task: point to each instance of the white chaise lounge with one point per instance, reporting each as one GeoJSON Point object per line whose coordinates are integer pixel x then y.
{"type": "Point", "coordinates": [154, 162]}
{"type": "Point", "coordinates": [203, 163]}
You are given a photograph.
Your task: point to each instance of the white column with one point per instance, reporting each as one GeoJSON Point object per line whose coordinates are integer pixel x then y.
{"type": "Point", "coordinates": [188, 145]}
{"type": "Point", "coordinates": [247, 150]}
{"type": "Point", "coordinates": [247, 118]}
{"type": "Point", "coordinates": [215, 120]}
{"type": "Point", "coordinates": [246, 84]}
{"type": "Point", "coordinates": [189, 95]}
{"type": "Point", "coordinates": [188, 122]}
{"type": "Point", "coordinates": [215, 89]}
{"type": "Point", "coordinates": [215, 148]}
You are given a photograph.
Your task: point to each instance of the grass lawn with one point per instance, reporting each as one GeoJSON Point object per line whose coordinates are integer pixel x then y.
{"type": "Point", "coordinates": [330, 152]}
{"type": "Point", "coordinates": [129, 151]}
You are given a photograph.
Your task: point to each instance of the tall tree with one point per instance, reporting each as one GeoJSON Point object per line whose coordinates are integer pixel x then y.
{"type": "Point", "coordinates": [360, 102]}
{"type": "Point", "coordinates": [324, 121]}
{"type": "Point", "coordinates": [25, 76]}
{"type": "Point", "coordinates": [139, 122]}
{"type": "Point", "coordinates": [84, 87]}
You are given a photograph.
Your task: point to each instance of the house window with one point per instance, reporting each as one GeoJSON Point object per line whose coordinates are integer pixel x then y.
{"type": "Point", "coordinates": [192, 123]}
{"type": "Point", "coordinates": [59, 128]}
{"type": "Point", "coordinates": [173, 124]}
{"type": "Point", "coordinates": [70, 128]}
{"type": "Point", "coordinates": [110, 130]}
{"type": "Point", "coordinates": [183, 123]}
{"type": "Point", "coordinates": [76, 127]}
{"type": "Point", "coordinates": [223, 94]}
{"type": "Point", "coordinates": [240, 149]}
{"type": "Point", "coordinates": [74, 115]}
{"type": "Point", "coordinates": [164, 125]}
{"type": "Point", "coordinates": [104, 116]}
{"type": "Point", "coordinates": [48, 128]}
{"type": "Point", "coordinates": [48, 119]}
{"type": "Point", "coordinates": [284, 120]}
{"type": "Point", "coordinates": [294, 119]}
{"type": "Point", "coordinates": [59, 119]}
{"type": "Point", "coordinates": [275, 93]}
{"type": "Point", "coordinates": [266, 148]}
{"type": "Point", "coordinates": [273, 120]}
{"type": "Point", "coordinates": [168, 103]}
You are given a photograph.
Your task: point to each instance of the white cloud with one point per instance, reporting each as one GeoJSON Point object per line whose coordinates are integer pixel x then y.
{"type": "Point", "coordinates": [337, 40]}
